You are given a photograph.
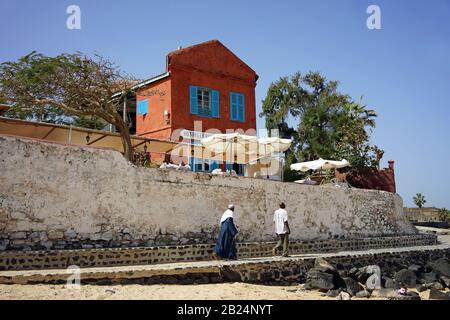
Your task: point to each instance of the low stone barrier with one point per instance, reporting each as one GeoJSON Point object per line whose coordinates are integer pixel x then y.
{"type": "Point", "coordinates": [108, 257]}
{"type": "Point", "coordinates": [269, 270]}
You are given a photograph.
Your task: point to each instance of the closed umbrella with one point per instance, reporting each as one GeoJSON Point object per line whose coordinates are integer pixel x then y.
{"type": "Point", "coordinates": [320, 164]}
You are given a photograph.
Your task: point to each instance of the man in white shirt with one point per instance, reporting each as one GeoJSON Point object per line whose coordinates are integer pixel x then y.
{"type": "Point", "coordinates": [281, 229]}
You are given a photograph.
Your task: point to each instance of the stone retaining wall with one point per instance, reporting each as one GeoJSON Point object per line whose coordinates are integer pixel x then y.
{"type": "Point", "coordinates": [269, 271]}
{"type": "Point", "coordinates": [61, 259]}
{"type": "Point", "coordinates": [56, 197]}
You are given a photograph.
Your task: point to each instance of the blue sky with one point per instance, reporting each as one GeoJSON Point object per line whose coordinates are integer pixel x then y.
{"type": "Point", "coordinates": [401, 70]}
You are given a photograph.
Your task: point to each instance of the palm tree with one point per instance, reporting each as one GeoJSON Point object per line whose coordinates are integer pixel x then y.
{"type": "Point", "coordinates": [444, 214]}
{"type": "Point", "coordinates": [357, 110]}
{"type": "Point", "coordinates": [419, 200]}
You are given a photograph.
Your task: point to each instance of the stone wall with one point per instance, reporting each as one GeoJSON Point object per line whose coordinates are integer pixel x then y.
{"type": "Point", "coordinates": [267, 270]}
{"type": "Point", "coordinates": [112, 257]}
{"type": "Point", "coordinates": [54, 196]}
{"type": "Point", "coordinates": [422, 214]}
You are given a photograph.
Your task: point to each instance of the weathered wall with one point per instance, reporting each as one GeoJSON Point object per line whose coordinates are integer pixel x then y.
{"type": "Point", "coordinates": [422, 214]}
{"type": "Point", "coordinates": [112, 257]}
{"type": "Point", "coordinates": [54, 196]}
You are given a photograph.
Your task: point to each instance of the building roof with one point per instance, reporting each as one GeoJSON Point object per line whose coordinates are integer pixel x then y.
{"type": "Point", "coordinates": [185, 50]}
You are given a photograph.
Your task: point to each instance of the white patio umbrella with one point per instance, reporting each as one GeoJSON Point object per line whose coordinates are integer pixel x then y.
{"type": "Point", "coordinates": [320, 164]}
{"type": "Point", "coordinates": [231, 144]}
{"type": "Point", "coordinates": [273, 145]}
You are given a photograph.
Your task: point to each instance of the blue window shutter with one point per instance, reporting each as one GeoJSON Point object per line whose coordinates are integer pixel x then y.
{"type": "Point", "coordinates": [194, 162]}
{"type": "Point", "coordinates": [142, 106]}
{"type": "Point", "coordinates": [215, 103]}
{"type": "Point", "coordinates": [193, 99]}
{"type": "Point", "coordinates": [233, 106]}
{"type": "Point", "coordinates": [214, 165]}
{"type": "Point", "coordinates": [241, 108]}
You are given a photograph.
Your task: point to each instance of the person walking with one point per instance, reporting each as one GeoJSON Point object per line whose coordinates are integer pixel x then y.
{"type": "Point", "coordinates": [226, 244]}
{"type": "Point", "coordinates": [282, 230]}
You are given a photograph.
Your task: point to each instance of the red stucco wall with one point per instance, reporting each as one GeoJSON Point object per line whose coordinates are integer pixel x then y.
{"type": "Point", "coordinates": [209, 64]}
{"type": "Point", "coordinates": [371, 178]}
{"type": "Point", "coordinates": [154, 124]}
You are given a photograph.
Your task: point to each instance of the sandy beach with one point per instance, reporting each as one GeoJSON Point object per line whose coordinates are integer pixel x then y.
{"type": "Point", "coordinates": [223, 291]}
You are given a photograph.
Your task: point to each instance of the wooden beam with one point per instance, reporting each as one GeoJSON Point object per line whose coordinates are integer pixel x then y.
{"type": "Point", "coordinates": [141, 143]}
{"type": "Point", "coordinates": [98, 139]}
{"type": "Point", "coordinates": [48, 133]}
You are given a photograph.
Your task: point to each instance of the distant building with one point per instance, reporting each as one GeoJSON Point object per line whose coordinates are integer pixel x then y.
{"type": "Point", "coordinates": [422, 214]}
{"type": "Point", "coordinates": [205, 82]}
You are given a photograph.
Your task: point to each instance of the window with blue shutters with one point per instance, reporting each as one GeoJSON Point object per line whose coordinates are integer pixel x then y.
{"type": "Point", "coordinates": [204, 102]}
{"type": "Point", "coordinates": [142, 107]}
{"type": "Point", "coordinates": [237, 107]}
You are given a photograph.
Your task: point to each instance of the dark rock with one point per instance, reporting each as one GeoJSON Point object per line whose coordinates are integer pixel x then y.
{"type": "Point", "coordinates": [363, 294]}
{"type": "Point", "coordinates": [438, 286]}
{"type": "Point", "coordinates": [445, 281]}
{"type": "Point", "coordinates": [185, 281]}
{"type": "Point", "coordinates": [353, 273]}
{"type": "Point", "coordinates": [387, 282]}
{"type": "Point", "coordinates": [333, 293]}
{"type": "Point", "coordinates": [342, 273]}
{"type": "Point", "coordinates": [441, 267]}
{"type": "Point", "coordinates": [428, 277]}
{"type": "Point", "coordinates": [317, 279]}
{"type": "Point", "coordinates": [438, 295]}
{"type": "Point", "coordinates": [352, 286]}
{"type": "Point", "coordinates": [322, 265]}
{"type": "Point", "coordinates": [416, 268]}
{"type": "Point", "coordinates": [229, 274]}
{"type": "Point", "coordinates": [365, 272]}
{"type": "Point", "coordinates": [408, 296]}
{"type": "Point", "coordinates": [405, 278]}
{"type": "Point", "coordinates": [424, 286]}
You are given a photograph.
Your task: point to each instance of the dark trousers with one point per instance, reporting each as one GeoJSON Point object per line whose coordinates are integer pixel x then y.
{"type": "Point", "coordinates": [283, 241]}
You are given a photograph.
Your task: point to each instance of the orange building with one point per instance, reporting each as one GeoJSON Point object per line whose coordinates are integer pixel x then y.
{"type": "Point", "coordinates": [205, 87]}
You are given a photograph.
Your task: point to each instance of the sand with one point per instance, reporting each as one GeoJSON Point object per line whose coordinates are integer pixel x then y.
{"type": "Point", "coordinates": [222, 291]}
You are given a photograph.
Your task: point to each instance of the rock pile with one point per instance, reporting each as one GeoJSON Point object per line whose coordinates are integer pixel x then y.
{"type": "Point", "coordinates": [367, 281]}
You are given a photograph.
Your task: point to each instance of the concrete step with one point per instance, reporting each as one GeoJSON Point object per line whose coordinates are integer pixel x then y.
{"type": "Point", "coordinates": [109, 257]}
{"type": "Point", "coordinates": [264, 269]}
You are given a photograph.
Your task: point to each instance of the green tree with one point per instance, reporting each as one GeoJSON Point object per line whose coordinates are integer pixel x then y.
{"type": "Point", "coordinates": [89, 122]}
{"type": "Point", "coordinates": [419, 200]}
{"type": "Point", "coordinates": [67, 87]}
{"type": "Point", "coordinates": [322, 122]}
{"type": "Point", "coordinates": [444, 214]}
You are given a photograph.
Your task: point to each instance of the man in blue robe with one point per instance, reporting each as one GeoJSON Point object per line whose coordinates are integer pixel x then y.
{"type": "Point", "coordinates": [226, 244]}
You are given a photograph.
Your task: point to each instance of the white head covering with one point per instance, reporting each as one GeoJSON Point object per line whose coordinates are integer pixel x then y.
{"type": "Point", "coordinates": [228, 214]}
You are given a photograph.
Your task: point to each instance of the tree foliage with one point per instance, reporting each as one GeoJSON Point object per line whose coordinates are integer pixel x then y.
{"type": "Point", "coordinates": [419, 200]}
{"type": "Point", "coordinates": [68, 85]}
{"type": "Point", "coordinates": [444, 215]}
{"type": "Point", "coordinates": [322, 122]}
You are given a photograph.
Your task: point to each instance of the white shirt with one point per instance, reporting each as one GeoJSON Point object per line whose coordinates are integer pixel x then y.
{"type": "Point", "coordinates": [227, 214]}
{"type": "Point", "coordinates": [280, 217]}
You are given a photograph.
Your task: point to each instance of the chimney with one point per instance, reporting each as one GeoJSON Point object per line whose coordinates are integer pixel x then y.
{"type": "Point", "coordinates": [391, 165]}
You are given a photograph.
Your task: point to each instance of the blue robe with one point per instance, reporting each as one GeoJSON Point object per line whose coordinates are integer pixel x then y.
{"type": "Point", "coordinates": [226, 246]}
